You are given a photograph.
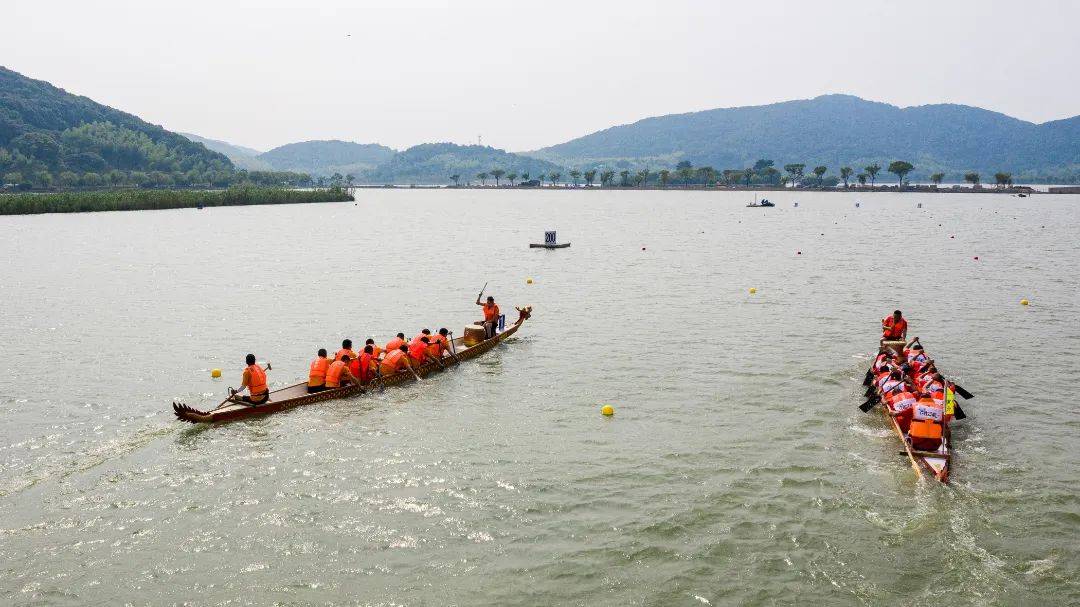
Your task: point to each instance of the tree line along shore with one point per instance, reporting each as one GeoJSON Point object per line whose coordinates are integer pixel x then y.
{"type": "Point", "coordinates": [143, 200]}
{"type": "Point", "coordinates": [763, 173]}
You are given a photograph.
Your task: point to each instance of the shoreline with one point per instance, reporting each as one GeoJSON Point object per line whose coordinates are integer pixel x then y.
{"type": "Point", "coordinates": [156, 200]}
{"type": "Point", "coordinates": [1026, 190]}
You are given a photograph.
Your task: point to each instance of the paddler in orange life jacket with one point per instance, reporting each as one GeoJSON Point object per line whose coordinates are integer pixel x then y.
{"type": "Point", "coordinates": [395, 343]}
{"type": "Point", "coordinates": [369, 364]}
{"type": "Point", "coordinates": [338, 374]}
{"type": "Point", "coordinates": [254, 380]}
{"type": "Point", "coordinates": [418, 352]}
{"type": "Point", "coordinates": [440, 344]}
{"type": "Point", "coordinates": [396, 360]}
{"type": "Point", "coordinates": [346, 349]}
{"type": "Point", "coordinates": [317, 373]}
{"type": "Point", "coordinates": [376, 351]}
{"type": "Point", "coordinates": [425, 333]}
{"type": "Point", "coordinates": [894, 328]}
{"type": "Point", "coordinates": [491, 315]}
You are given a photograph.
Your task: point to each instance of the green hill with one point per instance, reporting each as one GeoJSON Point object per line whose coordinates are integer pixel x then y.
{"type": "Point", "coordinates": [434, 163]}
{"type": "Point", "coordinates": [838, 130]}
{"type": "Point", "coordinates": [324, 158]}
{"type": "Point", "coordinates": [241, 157]}
{"type": "Point", "coordinates": [49, 135]}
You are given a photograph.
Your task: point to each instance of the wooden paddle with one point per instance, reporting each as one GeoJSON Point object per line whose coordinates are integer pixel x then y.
{"type": "Point", "coordinates": [962, 392]}
{"type": "Point", "coordinates": [865, 407]}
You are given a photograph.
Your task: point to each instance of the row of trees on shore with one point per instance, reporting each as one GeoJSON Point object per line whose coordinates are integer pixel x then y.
{"type": "Point", "coordinates": [762, 173]}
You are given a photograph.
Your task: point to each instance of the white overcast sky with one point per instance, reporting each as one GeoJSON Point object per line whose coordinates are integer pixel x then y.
{"type": "Point", "coordinates": [529, 74]}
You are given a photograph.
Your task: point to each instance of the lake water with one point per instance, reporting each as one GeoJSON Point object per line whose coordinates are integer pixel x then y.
{"type": "Point", "coordinates": [737, 469]}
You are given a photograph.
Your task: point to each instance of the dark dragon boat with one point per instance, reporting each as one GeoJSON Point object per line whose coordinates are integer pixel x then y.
{"type": "Point", "coordinates": [463, 348]}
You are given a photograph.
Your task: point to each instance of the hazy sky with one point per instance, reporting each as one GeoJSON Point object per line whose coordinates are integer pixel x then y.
{"type": "Point", "coordinates": [525, 75]}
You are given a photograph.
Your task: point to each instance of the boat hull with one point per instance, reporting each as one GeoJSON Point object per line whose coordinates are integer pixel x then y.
{"type": "Point", "coordinates": [297, 395]}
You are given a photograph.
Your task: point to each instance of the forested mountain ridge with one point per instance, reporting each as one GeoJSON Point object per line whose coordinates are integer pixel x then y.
{"type": "Point", "coordinates": [241, 157]}
{"type": "Point", "coordinates": [836, 130]}
{"type": "Point", "coordinates": [436, 163]}
{"type": "Point", "coordinates": [48, 134]}
{"type": "Point", "coordinates": [327, 157]}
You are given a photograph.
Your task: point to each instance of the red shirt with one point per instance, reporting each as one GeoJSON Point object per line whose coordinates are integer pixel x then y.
{"type": "Point", "coordinates": [893, 329]}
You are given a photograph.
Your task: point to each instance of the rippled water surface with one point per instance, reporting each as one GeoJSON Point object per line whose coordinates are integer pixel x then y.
{"type": "Point", "coordinates": [737, 469]}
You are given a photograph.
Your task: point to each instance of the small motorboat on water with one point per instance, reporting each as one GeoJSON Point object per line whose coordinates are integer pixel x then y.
{"type": "Point", "coordinates": [764, 203]}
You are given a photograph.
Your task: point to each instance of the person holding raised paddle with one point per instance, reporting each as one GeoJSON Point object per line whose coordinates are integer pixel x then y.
{"type": "Point", "coordinates": [491, 315]}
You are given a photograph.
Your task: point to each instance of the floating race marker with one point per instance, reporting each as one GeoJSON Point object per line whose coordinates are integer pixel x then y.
{"type": "Point", "coordinates": [550, 242]}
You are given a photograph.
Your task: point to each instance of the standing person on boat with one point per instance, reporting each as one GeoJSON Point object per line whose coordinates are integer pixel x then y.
{"type": "Point", "coordinates": [254, 380]}
{"type": "Point", "coordinates": [317, 374]}
{"type": "Point", "coordinates": [491, 316]}
{"type": "Point", "coordinates": [894, 328]}
{"type": "Point", "coordinates": [346, 350]}
{"type": "Point", "coordinates": [338, 373]}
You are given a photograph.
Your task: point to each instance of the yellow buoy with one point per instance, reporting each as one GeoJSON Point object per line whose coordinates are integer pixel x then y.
{"type": "Point", "coordinates": [607, 410]}
{"type": "Point", "coordinates": [1024, 302]}
{"type": "Point", "coordinates": [215, 373]}
{"type": "Point", "coordinates": [753, 290]}
{"type": "Point", "coordinates": [528, 281]}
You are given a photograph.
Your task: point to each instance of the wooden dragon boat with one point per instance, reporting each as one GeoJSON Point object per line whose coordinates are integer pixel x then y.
{"type": "Point", "coordinates": [934, 463]}
{"type": "Point", "coordinates": [296, 395]}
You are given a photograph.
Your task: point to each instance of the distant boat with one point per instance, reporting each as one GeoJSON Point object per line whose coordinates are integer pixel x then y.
{"type": "Point", "coordinates": [764, 203]}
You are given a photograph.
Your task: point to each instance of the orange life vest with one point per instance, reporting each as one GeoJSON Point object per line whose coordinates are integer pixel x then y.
{"type": "Point", "coordinates": [394, 361]}
{"type": "Point", "coordinates": [925, 435]}
{"type": "Point", "coordinates": [417, 350]}
{"type": "Point", "coordinates": [333, 374]}
{"type": "Point", "coordinates": [317, 374]}
{"type": "Point", "coordinates": [437, 346]}
{"type": "Point", "coordinates": [893, 329]}
{"type": "Point", "coordinates": [367, 361]}
{"type": "Point", "coordinates": [394, 344]}
{"type": "Point", "coordinates": [354, 366]}
{"type": "Point", "coordinates": [256, 380]}
{"type": "Point", "coordinates": [491, 312]}
{"type": "Point", "coordinates": [376, 350]}
{"type": "Point", "coordinates": [343, 352]}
